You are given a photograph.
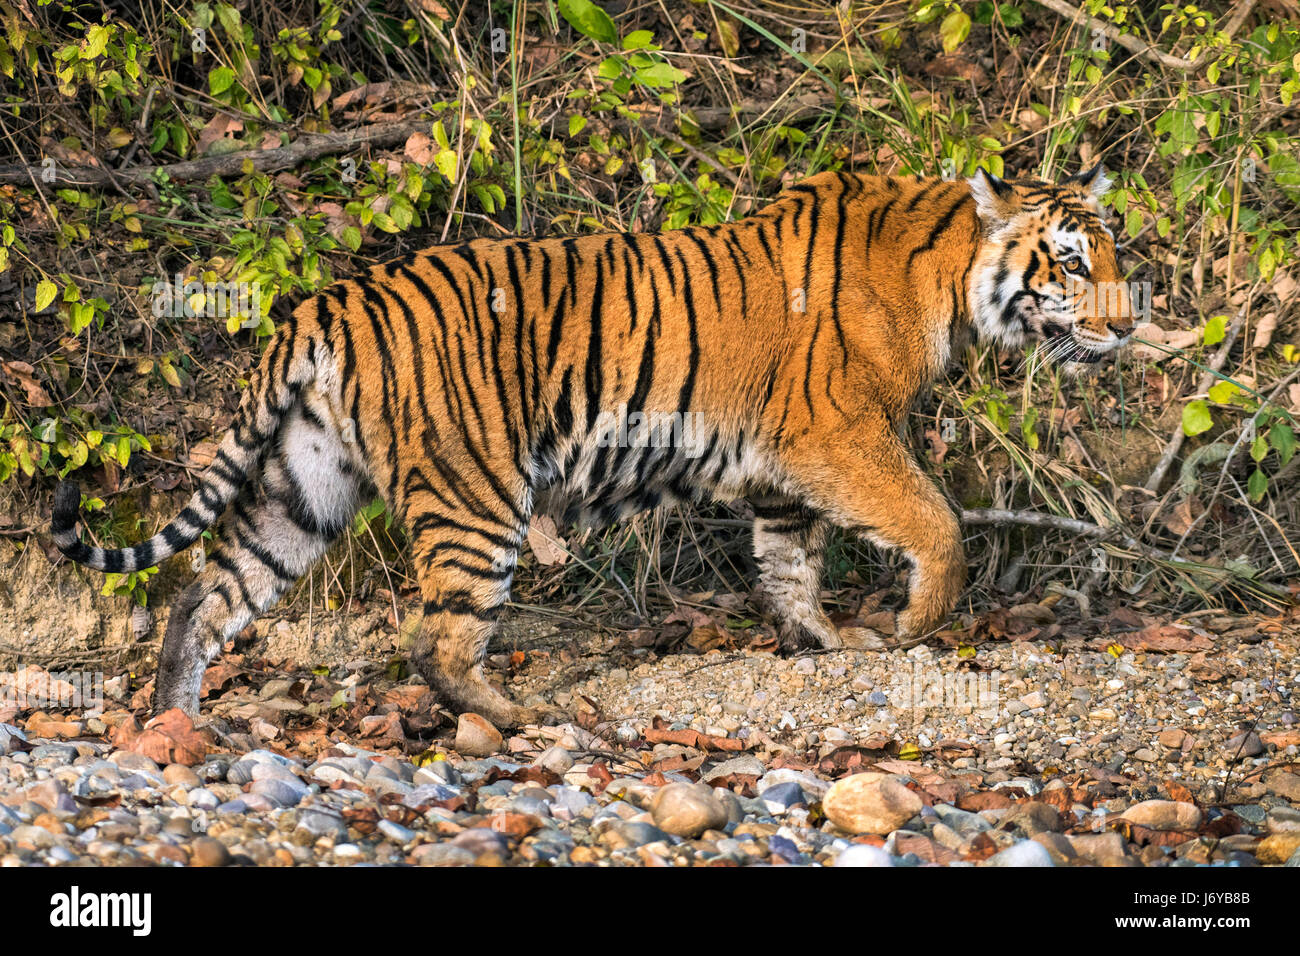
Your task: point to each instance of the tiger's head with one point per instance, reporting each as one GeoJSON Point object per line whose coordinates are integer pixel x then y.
{"type": "Point", "coordinates": [1046, 270]}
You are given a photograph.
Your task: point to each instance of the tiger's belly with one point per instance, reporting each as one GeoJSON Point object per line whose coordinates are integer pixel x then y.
{"type": "Point", "coordinates": [633, 466]}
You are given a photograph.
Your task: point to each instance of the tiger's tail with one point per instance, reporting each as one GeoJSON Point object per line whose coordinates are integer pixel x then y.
{"type": "Point", "coordinates": [288, 364]}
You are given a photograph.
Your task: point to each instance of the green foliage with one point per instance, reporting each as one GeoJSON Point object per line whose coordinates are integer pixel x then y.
{"type": "Point", "coordinates": [610, 133]}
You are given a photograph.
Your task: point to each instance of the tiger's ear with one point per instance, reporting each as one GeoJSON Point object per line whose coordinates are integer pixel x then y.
{"type": "Point", "coordinates": [1094, 181]}
{"type": "Point", "coordinates": [994, 199]}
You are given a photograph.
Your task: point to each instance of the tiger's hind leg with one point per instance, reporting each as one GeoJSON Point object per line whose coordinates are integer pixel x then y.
{"type": "Point", "coordinates": [277, 529]}
{"type": "Point", "coordinates": [790, 548]}
{"type": "Point", "coordinates": [466, 562]}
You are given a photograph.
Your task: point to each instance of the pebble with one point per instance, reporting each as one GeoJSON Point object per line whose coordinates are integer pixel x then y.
{"type": "Point", "coordinates": [555, 759]}
{"type": "Point", "coordinates": [280, 793]}
{"type": "Point", "coordinates": [1243, 746]}
{"type": "Point", "coordinates": [206, 851]}
{"type": "Point", "coordinates": [1164, 815]}
{"type": "Point", "coordinates": [1021, 853]}
{"type": "Point", "coordinates": [398, 834]}
{"type": "Point", "coordinates": [1274, 848]}
{"type": "Point", "coordinates": [179, 775]}
{"type": "Point", "coordinates": [744, 765]}
{"type": "Point", "coordinates": [859, 854]}
{"type": "Point", "coordinates": [11, 738]}
{"type": "Point", "coordinates": [354, 806]}
{"type": "Point", "coordinates": [861, 805]}
{"type": "Point", "coordinates": [476, 737]}
{"type": "Point", "coordinates": [781, 797]}
{"type": "Point", "coordinates": [687, 810]}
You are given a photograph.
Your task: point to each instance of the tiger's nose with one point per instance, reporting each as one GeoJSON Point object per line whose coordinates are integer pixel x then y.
{"type": "Point", "coordinates": [1121, 327]}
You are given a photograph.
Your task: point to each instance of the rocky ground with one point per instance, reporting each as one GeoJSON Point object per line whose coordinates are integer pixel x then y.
{"type": "Point", "coordinates": [1133, 743]}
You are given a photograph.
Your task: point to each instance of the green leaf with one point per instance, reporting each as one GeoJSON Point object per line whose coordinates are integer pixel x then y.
{"type": "Point", "coordinates": [446, 160]}
{"type": "Point", "coordinates": [576, 124]}
{"type": "Point", "coordinates": [45, 293]}
{"type": "Point", "coordinates": [661, 74]}
{"type": "Point", "coordinates": [1027, 428]}
{"type": "Point", "coordinates": [954, 30]}
{"type": "Point", "coordinates": [1215, 330]}
{"type": "Point", "coordinates": [589, 20]}
{"type": "Point", "coordinates": [638, 40]}
{"type": "Point", "coordinates": [1283, 440]}
{"type": "Point", "coordinates": [1196, 418]}
{"type": "Point", "coordinates": [1259, 448]}
{"type": "Point", "coordinates": [1221, 392]}
{"type": "Point", "coordinates": [1257, 486]}
{"type": "Point", "coordinates": [96, 42]}
{"type": "Point", "coordinates": [220, 80]}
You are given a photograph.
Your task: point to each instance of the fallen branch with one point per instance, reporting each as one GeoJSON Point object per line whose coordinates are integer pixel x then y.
{"type": "Point", "coordinates": [1207, 379]}
{"type": "Point", "coordinates": [227, 164]}
{"type": "Point", "coordinates": [1037, 519]}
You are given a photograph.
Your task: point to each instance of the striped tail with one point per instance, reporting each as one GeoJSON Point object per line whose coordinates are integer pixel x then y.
{"type": "Point", "coordinates": [287, 365]}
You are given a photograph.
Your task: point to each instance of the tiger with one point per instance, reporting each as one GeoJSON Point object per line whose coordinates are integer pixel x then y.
{"type": "Point", "coordinates": [472, 385]}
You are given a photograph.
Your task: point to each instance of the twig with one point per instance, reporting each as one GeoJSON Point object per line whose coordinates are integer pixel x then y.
{"type": "Point", "coordinates": [1207, 379]}
{"type": "Point", "coordinates": [1037, 519]}
{"type": "Point", "coordinates": [228, 164]}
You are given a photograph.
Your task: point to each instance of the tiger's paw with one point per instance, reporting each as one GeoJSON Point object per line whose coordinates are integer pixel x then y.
{"type": "Point", "coordinates": [863, 639]}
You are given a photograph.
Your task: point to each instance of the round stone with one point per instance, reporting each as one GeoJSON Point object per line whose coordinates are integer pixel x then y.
{"type": "Point", "coordinates": [687, 810]}
{"type": "Point", "coordinates": [207, 851]}
{"type": "Point", "coordinates": [1164, 815]}
{"type": "Point", "coordinates": [862, 855]}
{"type": "Point", "coordinates": [476, 737]}
{"type": "Point", "coordinates": [861, 805]}
{"type": "Point", "coordinates": [1024, 853]}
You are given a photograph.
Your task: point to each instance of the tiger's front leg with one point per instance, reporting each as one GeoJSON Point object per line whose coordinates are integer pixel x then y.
{"type": "Point", "coordinates": [866, 481]}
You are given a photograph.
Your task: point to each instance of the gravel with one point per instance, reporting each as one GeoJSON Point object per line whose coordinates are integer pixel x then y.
{"type": "Point", "coordinates": [1056, 755]}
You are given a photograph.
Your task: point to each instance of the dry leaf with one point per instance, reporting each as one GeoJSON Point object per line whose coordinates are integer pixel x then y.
{"type": "Point", "coordinates": [1166, 637]}
{"type": "Point", "coordinates": [168, 738]}
{"type": "Point", "coordinates": [545, 541]}
{"type": "Point", "coordinates": [419, 149]}
{"type": "Point", "coordinates": [24, 376]}
{"type": "Point", "coordinates": [1264, 331]}
{"type": "Point", "coordinates": [220, 127]}
{"type": "Point", "coordinates": [203, 454]}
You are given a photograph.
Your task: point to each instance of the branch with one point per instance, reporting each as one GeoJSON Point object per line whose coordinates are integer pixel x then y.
{"type": "Point", "coordinates": [1037, 519]}
{"type": "Point", "coordinates": [1135, 44]}
{"type": "Point", "coordinates": [227, 164]}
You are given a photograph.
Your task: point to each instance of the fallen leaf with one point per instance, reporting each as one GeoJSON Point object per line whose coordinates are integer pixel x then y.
{"type": "Point", "coordinates": [23, 375]}
{"type": "Point", "coordinates": [1172, 638]}
{"type": "Point", "coordinates": [1264, 331]}
{"type": "Point", "coordinates": [168, 738]}
{"type": "Point", "coordinates": [544, 539]}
